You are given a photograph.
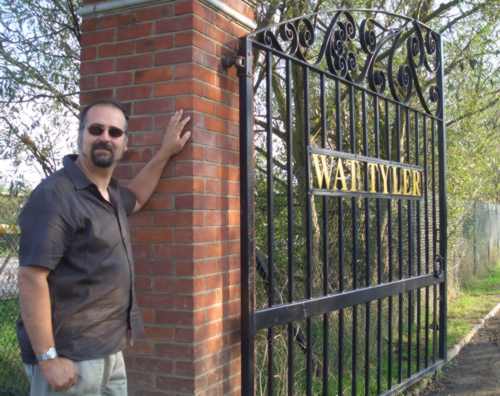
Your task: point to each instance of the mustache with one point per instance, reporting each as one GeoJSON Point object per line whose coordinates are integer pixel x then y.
{"type": "Point", "coordinates": [102, 146]}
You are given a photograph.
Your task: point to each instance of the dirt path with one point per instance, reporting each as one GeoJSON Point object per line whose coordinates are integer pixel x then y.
{"type": "Point", "coordinates": [476, 369]}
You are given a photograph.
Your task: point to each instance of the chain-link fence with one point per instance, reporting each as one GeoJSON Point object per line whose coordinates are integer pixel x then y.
{"type": "Point", "coordinates": [13, 381]}
{"type": "Point", "coordinates": [473, 244]}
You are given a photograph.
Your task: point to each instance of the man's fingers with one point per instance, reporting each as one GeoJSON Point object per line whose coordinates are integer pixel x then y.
{"type": "Point", "coordinates": [185, 138]}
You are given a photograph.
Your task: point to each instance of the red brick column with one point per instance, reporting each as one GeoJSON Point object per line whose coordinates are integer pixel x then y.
{"type": "Point", "coordinates": [158, 57]}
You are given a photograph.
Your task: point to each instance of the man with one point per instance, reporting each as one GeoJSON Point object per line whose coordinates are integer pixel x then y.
{"type": "Point", "coordinates": [76, 292]}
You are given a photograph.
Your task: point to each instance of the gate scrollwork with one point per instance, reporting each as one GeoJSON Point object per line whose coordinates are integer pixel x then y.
{"type": "Point", "coordinates": [392, 61]}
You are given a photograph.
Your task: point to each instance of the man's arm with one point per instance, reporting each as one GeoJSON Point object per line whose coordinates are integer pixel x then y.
{"type": "Point", "coordinates": [34, 298]}
{"type": "Point", "coordinates": [173, 142]}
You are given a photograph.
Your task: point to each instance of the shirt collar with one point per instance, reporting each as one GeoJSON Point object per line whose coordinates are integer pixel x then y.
{"type": "Point", "coordinates": [76, 175]}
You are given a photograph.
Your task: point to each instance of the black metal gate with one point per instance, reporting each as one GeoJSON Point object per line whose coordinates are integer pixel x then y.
{"type": "Point", "coordinates": [343, 205]}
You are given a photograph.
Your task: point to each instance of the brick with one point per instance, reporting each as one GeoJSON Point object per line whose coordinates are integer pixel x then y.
{"type": "Point", "coordinates": [103, 22]}
{"type": "Point", "coordinates": [152, 234]}
{"type": "Point", "coordinates": [114, 80]}
{"type": "Point", "coordinates": [225, 188]}
{"type": "Point", "coordinates": [134, 62]}
{"type": "Point", "coordinates": [152, 365]}
{"type": "Point", "coordinates": [145, 139]}
{"type": "Point", "coordinates": [114, 50]}
{"type": "Point", "coordinates": [88, 53]}
{"type": "Point", "coordinates": [173, 56]}
{"type": "Point", "coordinates": [180, 185]}
{"type": "Point", "coordinates": [174, 24]}
{"type": "Point", "coordinates": [153, 75]}
{"type": "Point", "coordinates": [222, 156]}
{"type": "Point", "coordinates": [153, 106]}
{"type": "Point", "coordinates": [99, 37]}
{"type": "Point", "coordinates": [179, 384]}
{"type": "Point", "coordinates": [134, 92]}
{"type": "Point", "coordinates": [179, 218]}
{"type": "Point", "coordinates": [162, 333]}
{"type": "Point", "coordinates": [154, 44]}
{"type": "Point", "coordinates": [207, 60]}
{"type": "Point", "coordinates": [139, 123]}
{"type": "Point", "coordinates": [87, 83]}
{"type": "Point", "coordinates": [153, 13]}
{"type": "Point", "coordinates": [134, 31]}
{"type": "Point", "coordinates": [102, 66]}
{"type": "Point", "coordinates": [177, 318]}
{"type": "Point", "coordinates": [91, 96]}
{"type": "Point", "coordinates": [176, 87]}
{"type": "Point", "coordinates": [191, 152]}
{"type": "Point", "coordinates": [140, 378]}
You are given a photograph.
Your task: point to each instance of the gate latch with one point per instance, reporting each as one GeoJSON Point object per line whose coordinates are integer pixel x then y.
{"type": "Point", "coordinates": [438, 265]}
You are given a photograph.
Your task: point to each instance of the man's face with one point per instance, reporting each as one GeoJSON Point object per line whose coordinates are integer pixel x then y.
{"type": "Point", "coordinates": [102, 143]}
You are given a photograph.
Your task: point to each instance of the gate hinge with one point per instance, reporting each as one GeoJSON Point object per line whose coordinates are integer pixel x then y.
{"type": "Point", "coordinates": [238, 61]}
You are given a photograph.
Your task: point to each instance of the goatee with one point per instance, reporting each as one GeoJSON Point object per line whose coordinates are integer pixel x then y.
{"type": "Point", "coordinates": [102, 160]}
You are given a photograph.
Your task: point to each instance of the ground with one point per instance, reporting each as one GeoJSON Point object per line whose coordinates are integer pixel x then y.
{"type": "Point", "coordinates": [476, 369]}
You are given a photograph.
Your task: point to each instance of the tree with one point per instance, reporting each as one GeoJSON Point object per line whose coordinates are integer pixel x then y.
{"type": "Point", "coordinates": [39, 77]}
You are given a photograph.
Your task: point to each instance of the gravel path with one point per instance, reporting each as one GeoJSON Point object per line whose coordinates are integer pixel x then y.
{"type": "Point", "coordinates": [476, 369]}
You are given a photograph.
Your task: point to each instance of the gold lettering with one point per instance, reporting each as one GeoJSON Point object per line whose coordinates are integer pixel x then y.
{"type": "Point", "coordinates": [395, 180]}
{"type": "Point", "coordinates": [340, 176]}
{"type": "Point", "coordinates": [372, 173]}
{"type": "Point", "coordinates": [355, 173]}
{"type": "Point", "coordinates": [323, 169]}
{"type": "Point", "coordinates": [406, 182]}
{"type": "Point", "coordinates": [384, 171]}
{"type": "Point", "coordinates": [417, 176]}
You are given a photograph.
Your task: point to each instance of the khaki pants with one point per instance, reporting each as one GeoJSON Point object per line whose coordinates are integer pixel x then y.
{"type": "Point", "coordinates": [99, 377]}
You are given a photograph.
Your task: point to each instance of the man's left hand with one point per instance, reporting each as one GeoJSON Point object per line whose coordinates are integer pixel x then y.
{"type": "Point", "coordinates": [174, 139]}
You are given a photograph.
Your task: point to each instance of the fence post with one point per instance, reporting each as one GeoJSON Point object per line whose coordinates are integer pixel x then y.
{"type": "Point", "coordinates": [158, 57]}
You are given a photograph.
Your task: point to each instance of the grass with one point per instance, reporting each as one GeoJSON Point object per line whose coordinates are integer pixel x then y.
{"type": "Point", "coordinates": [473, 302]}
{"type": "Point", "coordinates": [13, 381]}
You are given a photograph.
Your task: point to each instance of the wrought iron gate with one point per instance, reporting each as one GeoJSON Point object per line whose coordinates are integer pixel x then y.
{"type": "Point", "coordinates": [343, 204]}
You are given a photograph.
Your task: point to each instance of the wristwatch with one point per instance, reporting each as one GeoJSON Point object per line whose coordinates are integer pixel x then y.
{"type": "Point", "coordinates": [49, 355]}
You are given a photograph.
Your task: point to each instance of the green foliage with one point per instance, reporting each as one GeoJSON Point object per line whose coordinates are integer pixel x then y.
{"type": "Point", "coordinates": [13, 381]}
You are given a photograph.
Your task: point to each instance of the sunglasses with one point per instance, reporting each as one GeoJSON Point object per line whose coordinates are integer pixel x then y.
{"type": "Point", "coordinates": [98, 130]}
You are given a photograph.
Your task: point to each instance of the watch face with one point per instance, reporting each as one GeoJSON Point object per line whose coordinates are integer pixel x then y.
{"type": "Point", "coordinates": [50, 354]}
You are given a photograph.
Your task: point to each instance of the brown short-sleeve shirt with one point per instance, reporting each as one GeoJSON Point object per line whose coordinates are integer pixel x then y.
{"type": "Point", "coordinates": [68, 228]}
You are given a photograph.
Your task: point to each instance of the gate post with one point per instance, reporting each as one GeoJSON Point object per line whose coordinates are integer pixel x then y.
{"type": "Point", "coordinates": [158, 57]}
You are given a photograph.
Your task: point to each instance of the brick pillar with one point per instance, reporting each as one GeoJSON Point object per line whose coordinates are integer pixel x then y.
{"type": "Point", "coordinates": [158, 57]}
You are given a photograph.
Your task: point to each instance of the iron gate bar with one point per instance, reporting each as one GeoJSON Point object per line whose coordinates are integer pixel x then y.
{"type": "Point", "coordinates": [400, 251]}
{"type": "Point", "coordinates": [270, 217]}
{"type": "Point", "coordinates": [367, 248]}
{"type": "Point", "coordinates": [379, 249]}
{"type": "Point", "coordinates": [427, 242]}
{"type": "Point", "coordinates": [325, 244]}
{"type": "Point", "coordinates": [434, 243]}
{"type": "Point", "coordinates": [247, 218]}
{"type": "Point", "coordinates": [339, 142]}
{"type": "Point", "coordinates": [308, 285]}
{"type": "Point", "coordinates": [443, 213]}
{"type": "Point", "coordinates": [419, 258]}
{"type": "Point", "coordinates": [302, 310]}
{"type": "Point", "coordinates": [410, 251]}
{"type": "Point", "coordinates": [352, 130]}
{"type": "Point", "coordinates": [290, 221]}
{"type": "Point", "coordinates": [389, 233]}
{"type": "Point", "coordinates": [339, 78]}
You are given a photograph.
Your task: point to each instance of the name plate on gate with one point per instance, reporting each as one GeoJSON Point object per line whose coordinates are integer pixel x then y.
{"type": "Point", "coordinates": [339, 173]}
